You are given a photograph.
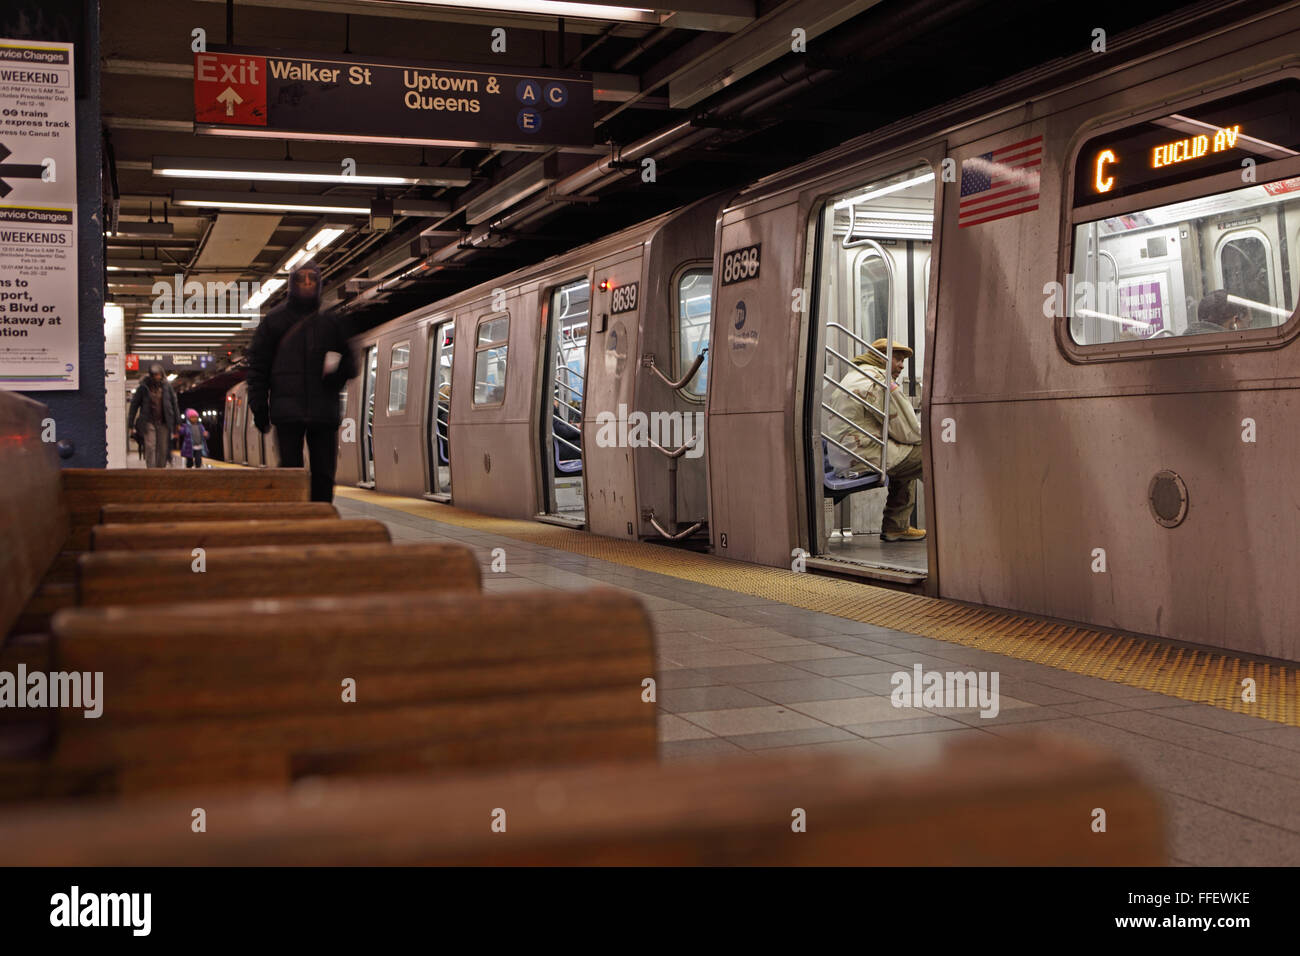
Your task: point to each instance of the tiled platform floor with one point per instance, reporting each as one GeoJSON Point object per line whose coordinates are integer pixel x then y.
{"type": "Point", "coordinates": [741, 675]}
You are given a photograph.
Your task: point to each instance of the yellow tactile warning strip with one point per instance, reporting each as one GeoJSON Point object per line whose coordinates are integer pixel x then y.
{"type": "Point", "coordinates": [1195, 675]}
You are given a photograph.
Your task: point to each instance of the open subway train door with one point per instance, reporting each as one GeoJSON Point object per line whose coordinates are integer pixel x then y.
{"type": "Point", "coordinates": [871, 281]}
{"type": "Point", "coordinates": [442, 347]}
{"type": "Point", "coordinates": [564, 389]}
{"type": "Point", "coordinates": [371, 375]}
{"type": "Point", "coordinates": [809, 272]}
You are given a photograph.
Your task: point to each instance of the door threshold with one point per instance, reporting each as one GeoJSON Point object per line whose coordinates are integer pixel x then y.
{"type": "Point", "coordinates": [893, 575]}
{"type": "Point", "coordinates": [575, 523]}
{"type": "Point", "coordinates": [441, 497]}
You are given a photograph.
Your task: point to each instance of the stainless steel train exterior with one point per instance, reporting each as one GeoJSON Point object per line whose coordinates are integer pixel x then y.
{"type": "Point", "coordinates": [242, 442]}
{"type": "Point", "coordinates": [491, 398]}
{"type": "Point", "coordinates": [1045, 247]}
{"type": "Point", "coordinates": [1100, 465]}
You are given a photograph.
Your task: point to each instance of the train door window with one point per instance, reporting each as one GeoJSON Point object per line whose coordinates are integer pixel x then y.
{"type": "Point", "coordinates": [343, 402]}
{"type": "Point", "coordinates": [568, 311]}
{"type": "Point", "coordinates": [399, 367]}
{"type": "Point", "coordinates": [368, 428]}
{"type": "Point", "coordinates": [873, 282]}
{"type": "Point", "coordinates": [694, 314]}
{"type": "Point", "coordinates": [1168, 243]}
{"type": "Point", "coordinates": [1244, 271]}
{"type": "Point", "coordinates": [490, 353]}
{"type": "Point", "coordinates": [443, 349]}
{"type": "Point", "coordinates": [873, 243]}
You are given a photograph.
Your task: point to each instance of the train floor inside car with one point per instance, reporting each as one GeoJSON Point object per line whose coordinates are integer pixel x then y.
{"type": "Point", "coordinates": [869, 549]}
{"type": "Point", "coordinates": [757, 660]}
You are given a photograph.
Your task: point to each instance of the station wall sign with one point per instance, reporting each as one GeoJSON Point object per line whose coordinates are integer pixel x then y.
{"type": "Point", "coordinates": [248, 92]}
{"type": "Point", "coordinates": [38, 217]}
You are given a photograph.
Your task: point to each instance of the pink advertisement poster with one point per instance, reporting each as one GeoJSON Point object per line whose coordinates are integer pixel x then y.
{"type": "Point", "coordinates": [1142, 300]}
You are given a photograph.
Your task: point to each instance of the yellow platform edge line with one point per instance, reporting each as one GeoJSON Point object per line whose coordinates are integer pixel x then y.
{"type": "Point", "coordinates": [1197, 676]}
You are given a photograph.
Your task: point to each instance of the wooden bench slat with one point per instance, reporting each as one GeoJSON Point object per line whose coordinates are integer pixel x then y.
{"type": "Point", "coordinates": [1003, 801]}
{"type": "Point", "coordinates": [234, 534]}
{"type": "Point", "coordinates": [167, 576]}
{"type": "Point", "coordinates": [87, 490]}
{"type": "Point", "coordinates": [451, 678]}
{"type": "Point", "coordinates": [215, 511]}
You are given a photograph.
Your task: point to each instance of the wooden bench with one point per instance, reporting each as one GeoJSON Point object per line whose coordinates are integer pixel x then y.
{"type": "Point", "coordinates": [234, 534]}
{"type": "Point", "coordinates": [236, 692]}
{"type": "Point", "coordinates": [87, 490]}
{"type": "Point", "coordinates": [216, 511]}
{"type": "Point", "coordinates": [1023, 801]}
{"type": "Point", "coordinates": [161, 577]}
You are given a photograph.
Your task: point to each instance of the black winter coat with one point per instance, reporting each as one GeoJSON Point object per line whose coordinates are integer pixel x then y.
{"type": "Point", "coordinates": [141, 403]}
{"type": "Point", "coordinates": [286, 358]}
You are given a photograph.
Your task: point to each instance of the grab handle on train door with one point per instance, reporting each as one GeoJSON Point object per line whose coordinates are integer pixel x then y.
{"type": "Point", "coordinates": [677, 453]}
{"type": "Point", "coordinates": [648, 360]}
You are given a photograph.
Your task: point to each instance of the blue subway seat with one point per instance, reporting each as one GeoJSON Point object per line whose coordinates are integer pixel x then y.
{"type": "Point", "coordinates": [839, 487]}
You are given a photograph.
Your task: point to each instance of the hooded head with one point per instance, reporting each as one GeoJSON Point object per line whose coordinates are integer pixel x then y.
{"type": "Point", "coordinates": [304, 287]}
{"type": "Point", "coordinates": [191, 414]}
{"type": "Point", "coordinates": [155, 376]}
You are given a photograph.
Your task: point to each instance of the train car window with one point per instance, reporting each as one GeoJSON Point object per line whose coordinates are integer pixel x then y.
{"type": "Point", "coordinates": [694, 311]}
{"type": "Point", "coordinates": [490, 350]}
{"type": "Point", "coordinates": [1210, 259]}
{"type": "Point", "coordinates": [873, 284]}
{"type": "Point", "coordinates": [398, 370]}
{"type": "Point", "coordinates": [1185, 268]}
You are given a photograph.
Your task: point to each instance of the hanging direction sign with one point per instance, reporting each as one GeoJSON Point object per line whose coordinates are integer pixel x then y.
{"type": "Point", "coordinates": [247, 92]}
{"type": "Point", "coordinates": [38, 216]}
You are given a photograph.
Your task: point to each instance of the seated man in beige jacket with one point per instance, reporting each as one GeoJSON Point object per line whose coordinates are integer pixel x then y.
{"type": "Point", "coordinates": [868, 380]}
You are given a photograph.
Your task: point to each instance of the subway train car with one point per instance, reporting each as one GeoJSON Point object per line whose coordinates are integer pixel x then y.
{"type": "Point", "coordinates": [495, 398]}
{"type": "Point", "coordinates": [1096, 274]}
{"type": "Point", "coordinates": [1099, 277]}
{"type": "Point", "coordinates": [244, 443]}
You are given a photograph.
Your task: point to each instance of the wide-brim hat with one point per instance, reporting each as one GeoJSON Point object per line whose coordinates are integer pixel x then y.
{"type": "Point", "coordinates": [900, 350]}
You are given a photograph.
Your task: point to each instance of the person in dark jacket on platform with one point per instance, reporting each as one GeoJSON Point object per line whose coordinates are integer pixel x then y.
{"type": "Point", "coordinates": [159, 416]}
{"type": "Point", "coordinates": [301, 357]}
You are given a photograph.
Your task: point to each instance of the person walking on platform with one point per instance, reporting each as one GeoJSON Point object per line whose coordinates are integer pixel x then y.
{"type": "Point", "coordinates": [193, 445]}
{"type": "Point", "coordinates": [868, 381]}
{"type": "Point", "coordinates": [159, 416]}
{"type": "Point", "coordinates": [298, 361]}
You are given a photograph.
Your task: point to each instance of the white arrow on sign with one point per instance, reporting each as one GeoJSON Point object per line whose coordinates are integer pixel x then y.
{"type": "Point", "coordinates": [230, 98]}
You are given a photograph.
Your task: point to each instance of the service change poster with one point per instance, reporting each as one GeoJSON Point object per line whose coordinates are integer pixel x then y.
{"type": "Point", "coordinates": [38, 217]}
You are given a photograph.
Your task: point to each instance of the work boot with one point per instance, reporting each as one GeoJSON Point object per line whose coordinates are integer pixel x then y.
{"type": "Point", "coordinates": [911, 534]}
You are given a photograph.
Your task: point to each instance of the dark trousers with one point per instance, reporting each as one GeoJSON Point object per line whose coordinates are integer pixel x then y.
{"type": "Point", "coordinates": [322, 448]}
{"type": "Point", "coordinates": [194, 462]}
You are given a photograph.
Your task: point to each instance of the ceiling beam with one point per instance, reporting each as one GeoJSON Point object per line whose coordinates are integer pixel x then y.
{"type": "Point", "coordinates": [759, 44]}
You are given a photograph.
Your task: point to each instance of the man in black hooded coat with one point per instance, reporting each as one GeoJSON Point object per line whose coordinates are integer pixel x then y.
{"type": "Point", "coordinates": [302, 358]}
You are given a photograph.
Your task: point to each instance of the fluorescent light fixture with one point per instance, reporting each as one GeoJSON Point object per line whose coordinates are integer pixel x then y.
{"type": "Point", "coordinates": [273, 170]}
{"type": "Point", "coordinates": [883, 191]}
{"type": "Point", "coordinates": [143, 230]}
{"type": "Point", "coordinates": [551, 8]}
{"type": "Point", "coordinates": [1252, 304]}
{"type": "Point", "coordinates": [192, 315]}
{"type": "Point", "coordinates": [287, 202]}
{"type": "Point", "coordinates": [269, 288]}
{"type": "Point", "coordinates": [515, 187]}
{"type": "Point", "coordinates": [1118, 319]}
{"type": "Point", "coordinates": [140, 265]}
{"type": "Point", "coordinates": [322, 238]}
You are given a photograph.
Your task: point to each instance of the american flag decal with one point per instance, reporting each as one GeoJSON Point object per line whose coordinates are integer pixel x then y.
{"type": "Point", "coordinates": [1001, 183]}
